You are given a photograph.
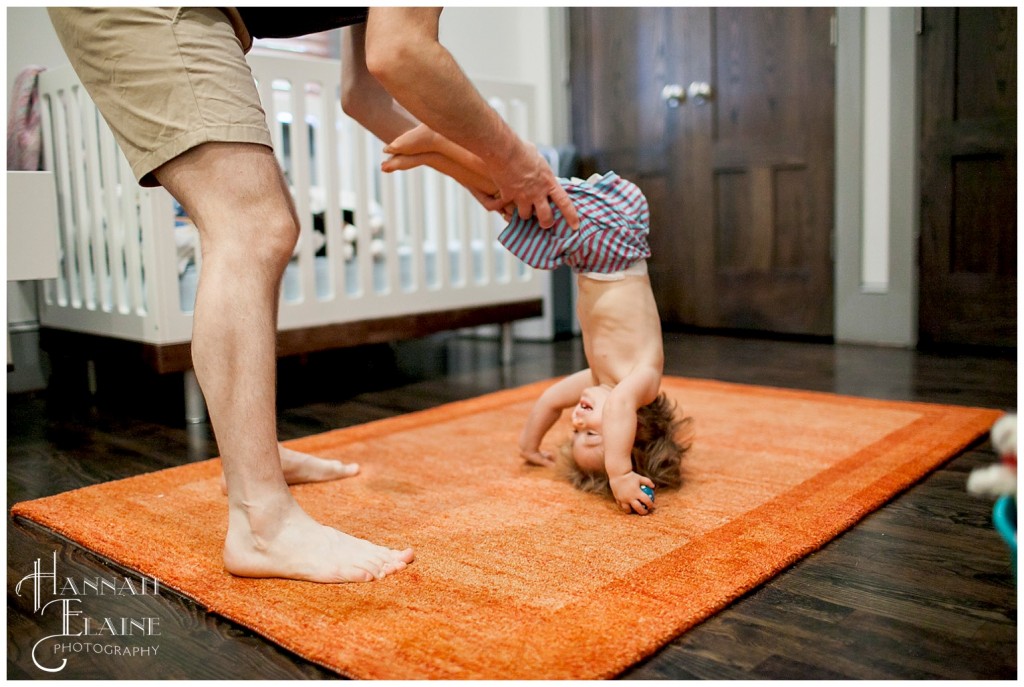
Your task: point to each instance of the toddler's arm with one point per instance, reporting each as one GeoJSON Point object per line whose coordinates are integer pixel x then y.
{"type": "Point", "coordinates": [619, 426]}
{"type": "Point", "coordinates": [563, 394]}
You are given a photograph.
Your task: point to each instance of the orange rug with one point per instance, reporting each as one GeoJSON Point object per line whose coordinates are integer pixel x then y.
{"type": "Point", "coordinates": [517, 574]}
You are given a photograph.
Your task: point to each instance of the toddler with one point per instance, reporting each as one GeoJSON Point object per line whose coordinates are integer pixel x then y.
{"type": "Point", "coordinates": [626, 434]}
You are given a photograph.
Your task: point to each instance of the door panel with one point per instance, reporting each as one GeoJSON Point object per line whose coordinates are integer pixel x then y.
{"type": "Point", "coordinates": [968, 177]}
{"type": "Point", "coordinates": [740, 181]}
{"type": "Point", "coordinates": [620, 60]}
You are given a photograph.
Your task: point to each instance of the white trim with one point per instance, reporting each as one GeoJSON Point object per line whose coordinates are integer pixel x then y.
{"type": "Point", "coordinates": [864, 311]}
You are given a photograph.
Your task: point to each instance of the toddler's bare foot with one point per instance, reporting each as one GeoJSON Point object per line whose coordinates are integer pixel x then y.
{"type": "Point", "coordinates": [300, 468]}
{"type": "Point", "coordinates": [423, 146]}
{"type": "Point", "coordinates": [419, 139]}
{"type": "Point", "coordinates": [285, 542]}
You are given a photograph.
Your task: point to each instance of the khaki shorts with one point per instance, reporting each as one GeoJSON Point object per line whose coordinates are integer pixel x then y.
{"type": "Point", "coordinates": [165, 79]}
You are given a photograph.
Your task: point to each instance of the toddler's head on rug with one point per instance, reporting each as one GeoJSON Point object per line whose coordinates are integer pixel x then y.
{"type": "Point", "coordinates": [662, 438]}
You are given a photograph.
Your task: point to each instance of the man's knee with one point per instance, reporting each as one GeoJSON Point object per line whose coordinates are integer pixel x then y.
{"type": "Point", "coordinates": [237, 197]}
{"type": "Point", "coordinates": [263, 236]}
{"type": "Point", "coordinates": [277, 240]}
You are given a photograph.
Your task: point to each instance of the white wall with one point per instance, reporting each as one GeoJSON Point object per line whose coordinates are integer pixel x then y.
{"type": "Point", "coordinates": [508, 43]}
{"type": "Point", "coordinates": [30, 40]}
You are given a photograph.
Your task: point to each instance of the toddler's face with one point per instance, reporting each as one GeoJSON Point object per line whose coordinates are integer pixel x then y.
{"type": "Point", "coordinates": [587, 437]}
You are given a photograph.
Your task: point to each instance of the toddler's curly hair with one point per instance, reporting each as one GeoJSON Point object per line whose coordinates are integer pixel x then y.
{"type": "Point", "coordinates": [662, 439]}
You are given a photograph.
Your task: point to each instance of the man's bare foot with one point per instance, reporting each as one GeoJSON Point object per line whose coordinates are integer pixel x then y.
{"type": "Point", "coordinates": [300, 468]}
{"type": "Point", "coordinates": [303, 467]}
{"type": "Point", "coordinates": [285, 542]}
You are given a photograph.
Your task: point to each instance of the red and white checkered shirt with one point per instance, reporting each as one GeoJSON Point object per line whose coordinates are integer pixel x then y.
{"type": "Point", "coordinates": [614, 224]}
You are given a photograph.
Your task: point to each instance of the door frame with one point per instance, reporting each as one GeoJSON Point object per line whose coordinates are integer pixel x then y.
{"type": "Point", "coordinates": [870, 308]}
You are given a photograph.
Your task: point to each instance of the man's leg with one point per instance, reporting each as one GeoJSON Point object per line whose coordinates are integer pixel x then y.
{"type": "Point", "coordinates": [235, 194]}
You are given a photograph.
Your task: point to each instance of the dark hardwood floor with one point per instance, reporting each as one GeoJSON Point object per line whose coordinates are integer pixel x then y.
{"type": "Point", "coordinates": [921, 589]}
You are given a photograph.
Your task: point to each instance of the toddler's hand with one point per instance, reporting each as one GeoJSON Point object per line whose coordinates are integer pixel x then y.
{"type": "Point", "coordinates": [537, 457]}
{"type": "Point", "coordinates": [628, 494]}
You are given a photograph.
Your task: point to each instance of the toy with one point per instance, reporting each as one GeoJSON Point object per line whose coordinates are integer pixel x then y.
{"type": "Point", "coordinates": [647, 490]}
{"type": "Point", "coordinates": [999, 479]}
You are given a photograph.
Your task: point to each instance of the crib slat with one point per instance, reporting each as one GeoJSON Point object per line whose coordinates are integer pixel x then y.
{"type": "Point", "coordinates": [84, 223]}
{"type": "Point", "coordinates": [464, 226]}
{"type": "Point", "coordinates": [115, 225]}
{"type": "Point", "coordinates": [502, 258]}
{"type": "Point", "coordinates": [417, 235]}
{"type": "Point", "coordinates": [331, 181]}
{"type": "Point", "coordinates": [132, 237]}
{"type": "Point", "coordinates": [78, 225]}
{"type": "Point", "coordinates": [482, 223]}
{"type": "Point", "coordinates": [392, 237]}
{"type": "Point", "coordinates": [363, 256]}
{"type": "Point", "coordinates": [301, 180]}
{"type": "Point", "coordinates": [347, 178]}
{"type": "Point", "coordinates": [327, 152]}
{"type": "Point", "coordinates": [439, 206]}
{"type": "Point", "coordinates": [93, 175]}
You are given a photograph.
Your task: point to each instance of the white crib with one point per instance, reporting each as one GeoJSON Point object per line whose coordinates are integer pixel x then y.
{"type": "Point", "coordinates": [380, 257]}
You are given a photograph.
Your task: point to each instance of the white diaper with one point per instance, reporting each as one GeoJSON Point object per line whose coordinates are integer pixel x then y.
{"type": "Point", "coordinates": [637, 269]}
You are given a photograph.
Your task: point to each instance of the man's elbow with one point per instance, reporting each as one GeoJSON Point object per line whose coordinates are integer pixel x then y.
{"type": "Point", "coordinates": [388, 61]}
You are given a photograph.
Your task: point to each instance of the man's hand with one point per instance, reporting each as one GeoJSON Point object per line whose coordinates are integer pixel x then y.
{"type": "Point", "coordinates": [527, 182]}
{"type": "Point", "coordinates": [629, 496]}
{"type": "Point", "coordinates": [424, 146]}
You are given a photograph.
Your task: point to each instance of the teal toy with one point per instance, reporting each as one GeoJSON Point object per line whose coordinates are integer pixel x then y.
{"type": "Point", "coordinates": [1004, 515]}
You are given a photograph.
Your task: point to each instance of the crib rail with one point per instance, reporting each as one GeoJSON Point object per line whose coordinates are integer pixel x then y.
{"type": "Point", "coordinates": [371, 245]}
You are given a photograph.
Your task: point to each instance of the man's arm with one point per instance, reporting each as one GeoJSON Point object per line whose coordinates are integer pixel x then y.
{"type": "Point", "coordinates": [564, 393]}
{"type": "Point", "coordinates": [366, 101]}
{"type": "Point", "coordinates": [362, 96]}
{"type": "Point", "coordinates": [403, 53]}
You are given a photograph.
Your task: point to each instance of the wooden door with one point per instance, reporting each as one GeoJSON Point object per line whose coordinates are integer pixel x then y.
{"type": "Point", "coordinates": [739, 173]}
{"type": "Point", "coordinates": [968, 251]}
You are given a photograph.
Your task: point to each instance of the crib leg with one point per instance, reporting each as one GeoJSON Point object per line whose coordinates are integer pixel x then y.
{"type": "Point", "coordinates": [90, 373]}
{"type": "Point", "coordinates": [506, 343]}
{"type": "Point", "coordinates": [195, 404]}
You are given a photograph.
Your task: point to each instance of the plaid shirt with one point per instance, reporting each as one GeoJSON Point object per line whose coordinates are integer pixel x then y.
{"type": "Point", "coordinates": [614, 223]}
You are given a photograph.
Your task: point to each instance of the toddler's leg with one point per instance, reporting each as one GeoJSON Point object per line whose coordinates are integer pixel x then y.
{"type": "Point", "coordinates": [423, 146]}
